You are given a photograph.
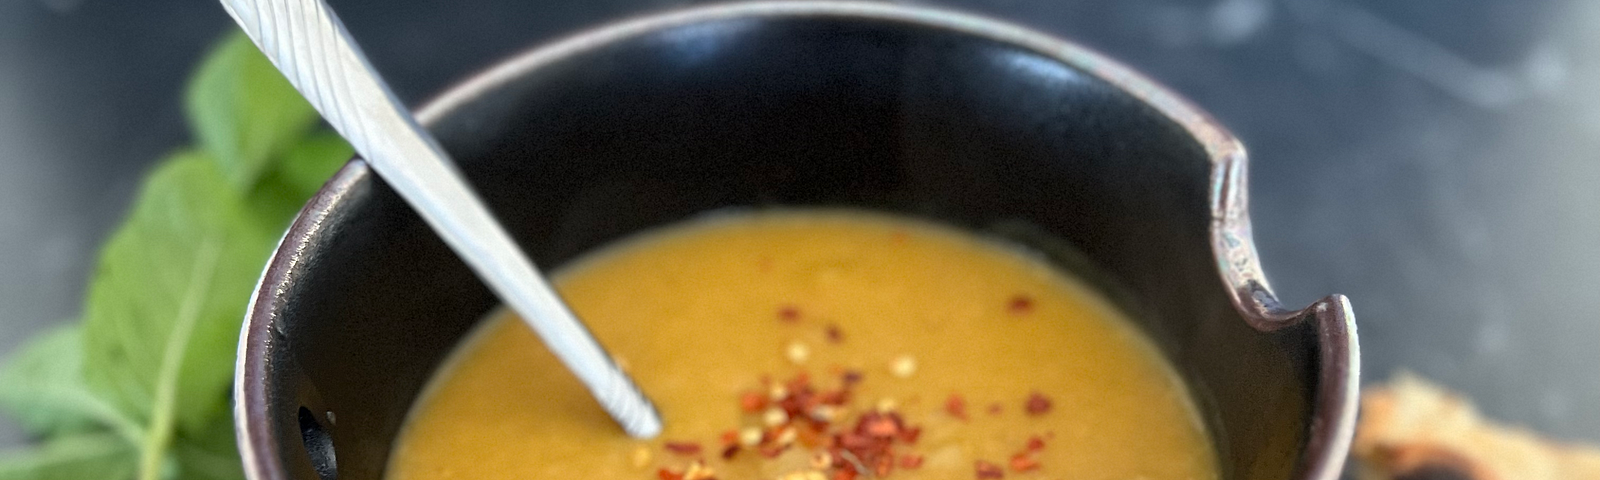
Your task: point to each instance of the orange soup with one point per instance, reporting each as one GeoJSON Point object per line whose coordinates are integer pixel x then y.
{"type": "Point", "coordinates": [818, 345]}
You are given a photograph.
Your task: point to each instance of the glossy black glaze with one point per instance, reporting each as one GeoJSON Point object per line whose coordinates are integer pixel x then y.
{"type": "Point", "coordinates": [591, 141]}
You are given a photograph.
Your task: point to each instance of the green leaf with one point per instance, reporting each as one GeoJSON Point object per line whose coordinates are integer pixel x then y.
{"type": "Point", "coordinates": [209, 455]}
{"type": "Point", "coordinates": [312, 162]}
{"type": "Point", "coordinates": [42, 387]}
{"type": "Point", "coordinates": [91, 456]}
{"type": "Point", "coordinates": [140, 388]}
{"type": "Point", "coordinates": [164, 307]}
{"type": "Point", "coordinates": [297, 175]}
{"type": "Point", "coordinates": [243, 111]}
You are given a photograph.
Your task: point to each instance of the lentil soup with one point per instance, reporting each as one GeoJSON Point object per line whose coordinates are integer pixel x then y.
{"type": "Point", "coordinates": [818, 345]}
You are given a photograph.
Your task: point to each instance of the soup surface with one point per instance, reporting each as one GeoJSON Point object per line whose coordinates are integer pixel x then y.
{"type": "Point", "coordinates": [818, 345]}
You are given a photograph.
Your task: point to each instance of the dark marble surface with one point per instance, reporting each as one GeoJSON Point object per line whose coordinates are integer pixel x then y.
{"type": "Point", "coordinates": [1433, 159]}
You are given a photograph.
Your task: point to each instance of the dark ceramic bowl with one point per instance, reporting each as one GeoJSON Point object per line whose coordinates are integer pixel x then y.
{"type": "Point", "coordinates": [929, 113]}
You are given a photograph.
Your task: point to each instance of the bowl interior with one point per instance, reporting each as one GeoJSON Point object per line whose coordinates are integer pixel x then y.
{"type": "Point", "coordinates": [592, 141]}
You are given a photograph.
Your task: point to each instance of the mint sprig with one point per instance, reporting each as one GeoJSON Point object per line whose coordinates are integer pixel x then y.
{"type": "Point", "coordinates": [140, 388]}
{"type": "Point", "coordinates": [243, 112]}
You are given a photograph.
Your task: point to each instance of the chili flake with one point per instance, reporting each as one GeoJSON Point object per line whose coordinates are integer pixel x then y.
{"type": "Point", "coordinates": [789, 313]}
{"type": "Point", "coordinates": [696, 471]}
{"type": "Point", "coordinates": [1037, 404]}
{"type": "Point", "coordinates": [956, 407]}
{"type": "Point", "coordinates": [771, 451]}
{"type": "Point", "coordinates": [683, 448]}
{"type": "Point", "coordinates": [1024, 462]}
{"type": "Point", "coordinates": [1020, 304]}
{"type": "Point", "coordinates": [834, 334]}
{"type": "Point", "coordinates": [910, 434]}
{"type": "Point", "coordinates": [879, 425]}
{"type": "Point", "coordinates": [994, 408]}
{"type": "Point", "coordinates": [799, 415]}
{"type": "Point", "coordinates": [1028, 458]}
{"type": "Point", "coordinates": [988, 470]}
{"type": "Point", "coordinates": [752, 402]}
{"type": "Point", "coordinates": [884, 466]}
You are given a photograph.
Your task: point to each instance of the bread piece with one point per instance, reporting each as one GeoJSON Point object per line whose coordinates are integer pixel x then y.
{"type": "Point", "coordinates": [1413, 430]}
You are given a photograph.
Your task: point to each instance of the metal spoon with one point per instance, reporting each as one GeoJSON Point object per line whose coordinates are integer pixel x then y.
{"type": "Point", "coordinates": [312, 48]}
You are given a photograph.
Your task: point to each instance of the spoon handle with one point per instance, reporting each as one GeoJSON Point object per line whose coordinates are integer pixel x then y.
{"type": "Point", "coordinates": [312, 48]}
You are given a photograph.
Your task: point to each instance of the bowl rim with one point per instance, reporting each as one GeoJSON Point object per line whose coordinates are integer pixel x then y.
{"type": "Point", "coordinates": [1333, 412]}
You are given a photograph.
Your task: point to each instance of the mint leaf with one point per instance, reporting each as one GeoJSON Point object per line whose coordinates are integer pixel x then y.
{"type": "Point", "coordinates": [309, 164]}
{"type": "Point", "coordinates": [164, 308]}
{"type": "Point", "coordinates": [140, 388]}
{"type": "Point", "coordinates": [93, 456]}
{"type": "Point", "coordinates": [209, 455]}
{"type": "Point", "coordinates": [243, 111]}
{"type": "Point", "coordinates": [297, 175]}
{"type": "Point", "coordinates": [42, 387]}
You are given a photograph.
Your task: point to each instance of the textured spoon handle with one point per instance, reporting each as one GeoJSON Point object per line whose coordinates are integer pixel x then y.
{"type": "Point", "coordinates": [311, 47]}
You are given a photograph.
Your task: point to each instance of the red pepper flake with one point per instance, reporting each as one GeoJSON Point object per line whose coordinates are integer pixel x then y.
{"type": "Point", "coordinates": [771, 451]}
{"type": "Point", "coordinates": [800, 382]}
{"type": "Point", "coordinates": [752, 402]}
{"type": "Point", "coordinates": [810, 420]}
{"type": "Point", "coordinates": [789, 313]}
{"type": "Point", "coordinates": [852, 441]}
{"type": "Point", "coordinates": [884, 466]}
{"type": "Point", "coordinates": [899, 238]}
{"type": "Point", "coordinates": [988, 470]}
{"type": "Point", "coordinates": [835, 398]}
{"type": "Point", "coordinates": [878, 425]}
{"type": "Point", "coordinates": [994, 408]}
{"type": "Point", "coordinates": [956, 407]}
{"type": "Point", "coordinates": [683, 448]}
{"type": "Point", "coordinates": [1020, 304]}
{"type": "Point", "coordinates": [1037, 404]}
{"type": "Point", "coordinates": [695, 471]}
{"type": "Point", "coordinates": [1035, 444]}
{"type": "Point", "coordinates": [834, 334]}
{"type": "Point", "coordinates": [1024, 462]}
{"type": "Point", "coordinates": [910, 435]}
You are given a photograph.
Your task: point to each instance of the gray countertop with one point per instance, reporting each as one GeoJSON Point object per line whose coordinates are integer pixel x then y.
{"type": "Point", "coordinates": [1436, 160]}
